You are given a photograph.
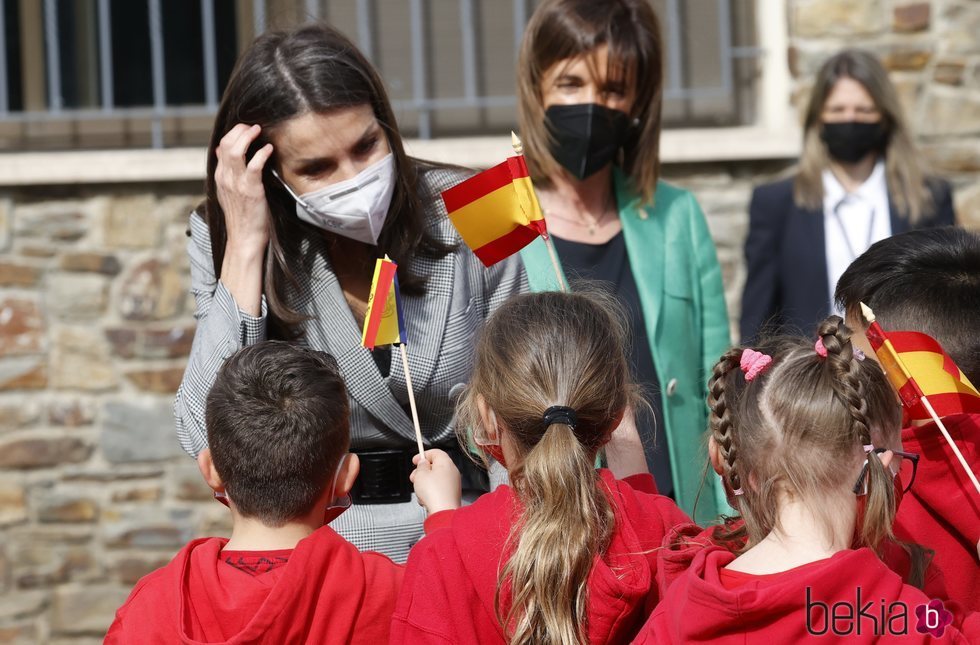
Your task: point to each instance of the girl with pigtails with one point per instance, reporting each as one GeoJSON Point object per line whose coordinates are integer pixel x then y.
{"type": "Point", "coordinates": [806, 438]}
{"type": "Point", "coordinates": [566, 553]}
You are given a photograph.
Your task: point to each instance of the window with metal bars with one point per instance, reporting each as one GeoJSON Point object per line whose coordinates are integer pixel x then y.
{"type": "Point", "coordinates": [139, 73]}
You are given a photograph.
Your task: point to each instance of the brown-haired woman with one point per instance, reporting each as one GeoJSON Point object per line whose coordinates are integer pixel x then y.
{"type": "Point", "coordinates": [807, 438]}
{"type": "Point", "coordinates": [566, 554]}
{"type": "Point", "coordinates": [860, 180]}
{"type": "Point", "coordinates": [308, 184]}
{"type": "Point", "coordinates": [590, 86]}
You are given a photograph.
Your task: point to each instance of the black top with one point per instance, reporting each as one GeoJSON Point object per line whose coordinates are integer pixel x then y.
{"type": "Point", "coordinates": [608, 263]}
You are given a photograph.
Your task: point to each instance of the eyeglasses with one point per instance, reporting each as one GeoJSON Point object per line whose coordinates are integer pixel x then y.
{"type": "Point", "coordinates": [907, 467]}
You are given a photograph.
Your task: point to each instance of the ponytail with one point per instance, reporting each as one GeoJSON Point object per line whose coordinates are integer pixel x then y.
{"type": "Point", "coordinates": [565, 522]}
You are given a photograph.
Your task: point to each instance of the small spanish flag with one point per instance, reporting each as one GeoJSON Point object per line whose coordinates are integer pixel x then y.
{"type": "Point", "coordinates": [496, 212]}
{"type": "Point", "coordinates": [383, 322]}
{"type": "Point", "coordinates": [917, 366]}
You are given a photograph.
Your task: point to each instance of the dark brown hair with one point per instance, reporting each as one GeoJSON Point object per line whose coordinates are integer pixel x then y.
{"type": "Point", "coordinates": [285, 74]}
{"type": "Point", "coordinates": [277, 420]}
{"type": "Point", "coordinates": [568, 29]}
{"type": "Point", "coordinates": [540, 350]}
{"type": "Point", "coordinates": [904, 167]}
{"type": "Point", "coordinates": [926, 280]}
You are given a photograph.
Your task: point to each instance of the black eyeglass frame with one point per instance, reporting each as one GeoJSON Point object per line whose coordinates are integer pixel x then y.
{"type": "Point", "coordinates": [906, 486]}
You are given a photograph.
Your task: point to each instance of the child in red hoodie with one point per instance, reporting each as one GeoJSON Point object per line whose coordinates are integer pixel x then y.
{"type": "Point", "coordinates": [929, 281]}
{"type": "Point", "coordinates": [277, 421]}
{"type": "Point", "coordinates": [806, 438]}
{"type": "Point", "coordinates": [566, 553]}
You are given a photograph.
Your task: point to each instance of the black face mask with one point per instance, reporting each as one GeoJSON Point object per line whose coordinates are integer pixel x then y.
{"type": "Point", "coordinates": [586, 136]}
{"type": "Point", "coordinates": [851, 141]}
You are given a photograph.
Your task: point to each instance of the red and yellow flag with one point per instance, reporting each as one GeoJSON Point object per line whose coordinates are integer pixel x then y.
{"type": "Point", "coordinates": [383, 322]}
{"type": "Point", "coordinates": [917, 366]}
{"type": "Point", "coordinates": [496, 212]}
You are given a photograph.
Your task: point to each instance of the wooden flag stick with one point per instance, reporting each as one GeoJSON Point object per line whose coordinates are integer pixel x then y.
{"type": "Point", "coordinates": [869, 315]}
{"type": "Point", "coordinates": [554, 263]}
{"type": "Point", "coordinates": [949, 440]}
{"type": "Point", "coordinates": [411, 401]}
{"type": "Point", "coordinates": [515, 142]}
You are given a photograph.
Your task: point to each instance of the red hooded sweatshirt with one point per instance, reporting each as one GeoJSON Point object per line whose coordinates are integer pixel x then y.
{"type": "Point", "coordinates": [451, 579]}
{"type": "Point", "coordinates": [326, 592]}
{"type": "Point", "coordinates": [826, 601]}
{"type": "Point", "coordinates": [942, 510]}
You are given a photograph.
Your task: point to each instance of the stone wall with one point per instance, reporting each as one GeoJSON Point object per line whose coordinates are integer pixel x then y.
{"type": "Point", "coordinates": [932, 51]}
{"type": "Point", "coordinates": [95, 326]}
{"type": "Point", "coordinates": [96, 323]}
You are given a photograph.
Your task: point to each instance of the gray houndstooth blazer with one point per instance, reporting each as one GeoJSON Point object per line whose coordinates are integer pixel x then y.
{"type": "Point", "coordinates": [441, 329]}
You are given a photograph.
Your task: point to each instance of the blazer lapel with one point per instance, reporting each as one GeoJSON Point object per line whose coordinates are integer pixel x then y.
{"type": "Point", "coordinates": [645, 240]}
{"type": "Point", "coordinates": [899, 222]}
{"type": "Point", "coordinates": [425, 321]}
{"type": "Point", "coordinates": [337, 331]}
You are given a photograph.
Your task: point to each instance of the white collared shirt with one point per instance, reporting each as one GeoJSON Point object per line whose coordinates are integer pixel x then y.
{"type": "Point", "coordinates": [852, 222]}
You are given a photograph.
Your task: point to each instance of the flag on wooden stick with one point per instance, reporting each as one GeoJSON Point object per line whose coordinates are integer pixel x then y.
{"type": "Point", "coordinates": [383, 321]}
{"type": "Point", "coordinates": [496, 212]}
{"type": "Point", "coordinates": [917, 366]}
{"type": "Point", "coordinates": [928, 382]}
{"type": "Point", "coordinates": [385, 325]}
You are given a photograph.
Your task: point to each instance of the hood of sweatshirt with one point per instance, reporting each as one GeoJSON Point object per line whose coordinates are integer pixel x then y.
{"type": "Point", "coordinates": [835, 597]}
{"type": "Point", "coordinates": [621, 589]}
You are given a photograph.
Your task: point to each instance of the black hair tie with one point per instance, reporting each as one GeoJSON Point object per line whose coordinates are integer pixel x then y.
{"type": "Point", "coordinates": [560, 414]}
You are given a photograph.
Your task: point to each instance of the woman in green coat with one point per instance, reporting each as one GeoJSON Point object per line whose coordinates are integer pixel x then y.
{"type": "Point", "coordinates": [590, 81]}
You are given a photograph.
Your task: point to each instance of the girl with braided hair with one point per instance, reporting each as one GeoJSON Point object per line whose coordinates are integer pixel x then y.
{"type": "Point", "coordinates": [806, 438]}
{"type": "Point", "coordinates": [566, 554]}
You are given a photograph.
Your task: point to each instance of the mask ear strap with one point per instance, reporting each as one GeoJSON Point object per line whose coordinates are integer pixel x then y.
{"type": "Point", "coordinates": [496, 432]}
{"type": "Point", "coordinates": [336, 475]}
{"type": "Point", "coordinates": [289, 190]}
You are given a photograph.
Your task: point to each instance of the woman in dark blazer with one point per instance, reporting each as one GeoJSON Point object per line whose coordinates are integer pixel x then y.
{"type": "Point", "coordinates": [859, 180]}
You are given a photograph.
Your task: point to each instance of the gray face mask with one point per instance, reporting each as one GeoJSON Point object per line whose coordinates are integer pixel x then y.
{"type": "Point", "coordinates": [355, 208]}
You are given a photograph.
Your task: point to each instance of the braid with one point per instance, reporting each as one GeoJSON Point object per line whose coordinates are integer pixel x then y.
{"type": "Point", "coordinates": [720, 420]}
{"type": "Point", "coordinates": [848, 385]}
{"type": "Point", "coordinates": [850, 388]}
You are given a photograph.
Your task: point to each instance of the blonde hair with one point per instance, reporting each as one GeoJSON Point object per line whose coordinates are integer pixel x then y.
{"type": "Point", "coordinates": [904, 168]}
{"type": "Point", "coordinates": [540, 350]}
{"type": "Point", "coordinates": [798, 429]}
{"type": "Point", "coordinates": [567, 29]}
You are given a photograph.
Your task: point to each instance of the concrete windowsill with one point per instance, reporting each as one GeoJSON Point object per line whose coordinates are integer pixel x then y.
{"type": "Point", "coordinates": [188, 164]}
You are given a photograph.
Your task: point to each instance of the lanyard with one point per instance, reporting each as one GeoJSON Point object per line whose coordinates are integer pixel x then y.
{"type": "Point", "coordinates": [843, 229]}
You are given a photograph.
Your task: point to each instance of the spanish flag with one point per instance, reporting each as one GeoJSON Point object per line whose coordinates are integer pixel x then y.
{"type": "Point", "coordinates": [383, 322]}
{"type": "Point", "coordinates": [496, 212]}
{"type": "Point", "coordinates": [917, 366]}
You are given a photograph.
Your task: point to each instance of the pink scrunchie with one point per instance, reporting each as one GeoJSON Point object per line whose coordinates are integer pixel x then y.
{"type": "Point", "coordinates": [754, 363]}
{"type": "Point", "coordinates": [820, 348]}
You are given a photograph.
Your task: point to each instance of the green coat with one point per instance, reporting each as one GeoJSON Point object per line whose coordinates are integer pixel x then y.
{"type": "Point", "coordinates": [678, 277]}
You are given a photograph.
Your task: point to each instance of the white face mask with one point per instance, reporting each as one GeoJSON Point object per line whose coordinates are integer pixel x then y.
{"type": "Point", "coordinates": [355, 208]}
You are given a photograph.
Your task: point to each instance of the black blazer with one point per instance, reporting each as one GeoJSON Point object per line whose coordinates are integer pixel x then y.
{"type": "Point", "coordinates": [786, 287]}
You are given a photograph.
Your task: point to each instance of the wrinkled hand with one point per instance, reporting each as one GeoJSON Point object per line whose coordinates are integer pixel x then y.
{"type": "Point", "coordinates": [437, 482]}
{"type": "Point", "coordinates": [240, 190]}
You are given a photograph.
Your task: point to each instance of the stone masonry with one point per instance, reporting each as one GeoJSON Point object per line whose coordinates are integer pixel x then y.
{"type": "Point", "coordinates": [96, 323]}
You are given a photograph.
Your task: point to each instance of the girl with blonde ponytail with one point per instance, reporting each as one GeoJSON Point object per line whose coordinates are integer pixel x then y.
{"type": "Point", "coordinates": [806, 437]}
{"type": "Point", "coordinates": [567, 553]}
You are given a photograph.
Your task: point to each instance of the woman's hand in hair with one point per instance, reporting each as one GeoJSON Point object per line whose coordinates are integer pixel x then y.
{"type": "Point", "coordinates": [247, 217]}
{"type": "Point", "coordinates": [437, 482]}
{"type": "Point", "coordinates": [240, 190]}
